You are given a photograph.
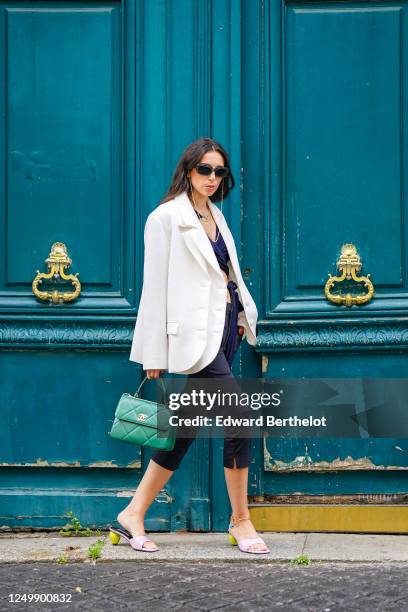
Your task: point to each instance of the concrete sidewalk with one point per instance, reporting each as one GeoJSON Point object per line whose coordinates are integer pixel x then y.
{"type": "Point", "coordinates": [182, 547]}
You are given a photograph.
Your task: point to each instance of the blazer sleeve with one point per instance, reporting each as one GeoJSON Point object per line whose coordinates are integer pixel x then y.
{"type": "Point", "coordinates": [155, 279]}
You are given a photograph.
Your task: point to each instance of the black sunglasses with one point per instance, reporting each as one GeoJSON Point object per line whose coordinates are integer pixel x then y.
{"type": "Point", "coordinates": [206, 170]}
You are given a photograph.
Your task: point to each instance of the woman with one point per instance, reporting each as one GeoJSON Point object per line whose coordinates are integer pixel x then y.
{"type": "Point", "coordinates": [193, 311]}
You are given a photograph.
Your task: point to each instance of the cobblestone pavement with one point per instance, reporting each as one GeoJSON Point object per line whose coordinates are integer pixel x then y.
{"type": "Point", "coordinates": [209, 586]}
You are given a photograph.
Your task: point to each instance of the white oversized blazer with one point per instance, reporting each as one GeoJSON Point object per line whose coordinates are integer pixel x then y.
{"type": "Point", "coordinates": [181, 313]}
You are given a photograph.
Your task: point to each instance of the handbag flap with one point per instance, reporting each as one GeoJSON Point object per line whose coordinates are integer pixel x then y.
{"type": "Point", "coordinates": [143, 412]}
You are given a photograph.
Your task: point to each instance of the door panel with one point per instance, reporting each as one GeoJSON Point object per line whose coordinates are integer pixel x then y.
{"type": "Point", "coordinates": [62, 126]}
{"type": "Point", "coordinates": [344, 107]}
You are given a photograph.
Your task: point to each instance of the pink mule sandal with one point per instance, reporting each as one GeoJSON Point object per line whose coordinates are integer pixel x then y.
{"type": "Point", "coordinates": [244, 544]}
{"type": "Point", "coordinates": [136, 542]}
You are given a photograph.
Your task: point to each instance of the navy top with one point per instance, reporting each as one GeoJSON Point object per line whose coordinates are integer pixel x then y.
{"type": "Point", "coordinates": [222, 255]}
{"type": "Point", "coordinates": [221, 252]}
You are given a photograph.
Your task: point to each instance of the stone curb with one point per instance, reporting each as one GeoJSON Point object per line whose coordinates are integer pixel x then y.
{"type": "Point", "coordinates": [208, 547]}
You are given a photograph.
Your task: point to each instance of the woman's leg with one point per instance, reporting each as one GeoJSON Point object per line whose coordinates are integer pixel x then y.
{"type": "Point", "coordinates": [132, 517]}
{"type": "Point", "coordinates": [236, 456]}
{"type": "Point", "coordinates": [237, 487]}
{"type": "Point", "coordinates": [158, 472]}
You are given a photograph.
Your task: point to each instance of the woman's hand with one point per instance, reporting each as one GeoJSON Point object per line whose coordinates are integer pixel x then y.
{"type": "Point", "coordinates": [154, 373]}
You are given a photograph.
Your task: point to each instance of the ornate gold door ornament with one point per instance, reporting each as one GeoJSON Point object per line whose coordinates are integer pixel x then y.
{"type": "Point", "coordinates": [57, 262]}
{"type": "Point", "coordinates": [349, 265]}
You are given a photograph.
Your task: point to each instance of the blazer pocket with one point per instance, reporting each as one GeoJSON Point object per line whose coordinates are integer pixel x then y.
{"type": "Point", "coordinates": [172, 327]}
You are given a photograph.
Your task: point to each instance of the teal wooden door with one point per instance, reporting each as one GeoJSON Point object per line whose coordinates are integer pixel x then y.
{"type": "Point", "coordinates": [69, 127]}
{"type": "Point", "coordinates": [88, 87]}
{"type": "Point", "coordinates": [334, 110]}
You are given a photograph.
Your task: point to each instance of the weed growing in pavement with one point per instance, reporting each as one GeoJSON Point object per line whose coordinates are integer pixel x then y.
{"type": "Point", "coordinates": [74, 527]}
{"type": "Point", "coordinates": [95, 551]}
{"type": "Point", "coordinates": [301, 560]}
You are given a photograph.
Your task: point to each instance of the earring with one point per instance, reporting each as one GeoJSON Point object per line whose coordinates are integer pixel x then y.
{"type": "Point", "coordinates": [222, 193]}
{"type": "Point", "coordinates": [191, 189]}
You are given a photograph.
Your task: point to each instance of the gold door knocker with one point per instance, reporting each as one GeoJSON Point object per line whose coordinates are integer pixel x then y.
{"type": "Point", "coordinates": [57, 261]}
{"type": "Point", "coordinates": [349, 264]}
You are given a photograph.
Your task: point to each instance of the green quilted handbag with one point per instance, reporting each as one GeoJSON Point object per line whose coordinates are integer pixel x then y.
{"type": "Point", "coordinates": [140, 421]}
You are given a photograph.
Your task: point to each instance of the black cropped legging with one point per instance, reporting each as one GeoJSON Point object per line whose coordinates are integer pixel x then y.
{"type": "Point", "coordinates": [236, 449]}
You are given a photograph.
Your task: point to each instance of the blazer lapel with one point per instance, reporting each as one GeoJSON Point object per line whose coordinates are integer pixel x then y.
{"type": "Point", "coordinates": [195, 235]}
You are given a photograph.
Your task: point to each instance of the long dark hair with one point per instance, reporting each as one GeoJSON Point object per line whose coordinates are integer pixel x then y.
{"type": "Point", "coordinates": [189, 159]}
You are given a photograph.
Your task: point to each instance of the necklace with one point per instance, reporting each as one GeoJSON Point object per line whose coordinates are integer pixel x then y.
{"type": "Point", "coordinates": [199, 215]}
{"type": "Point", "coordinates": [205, 219]}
